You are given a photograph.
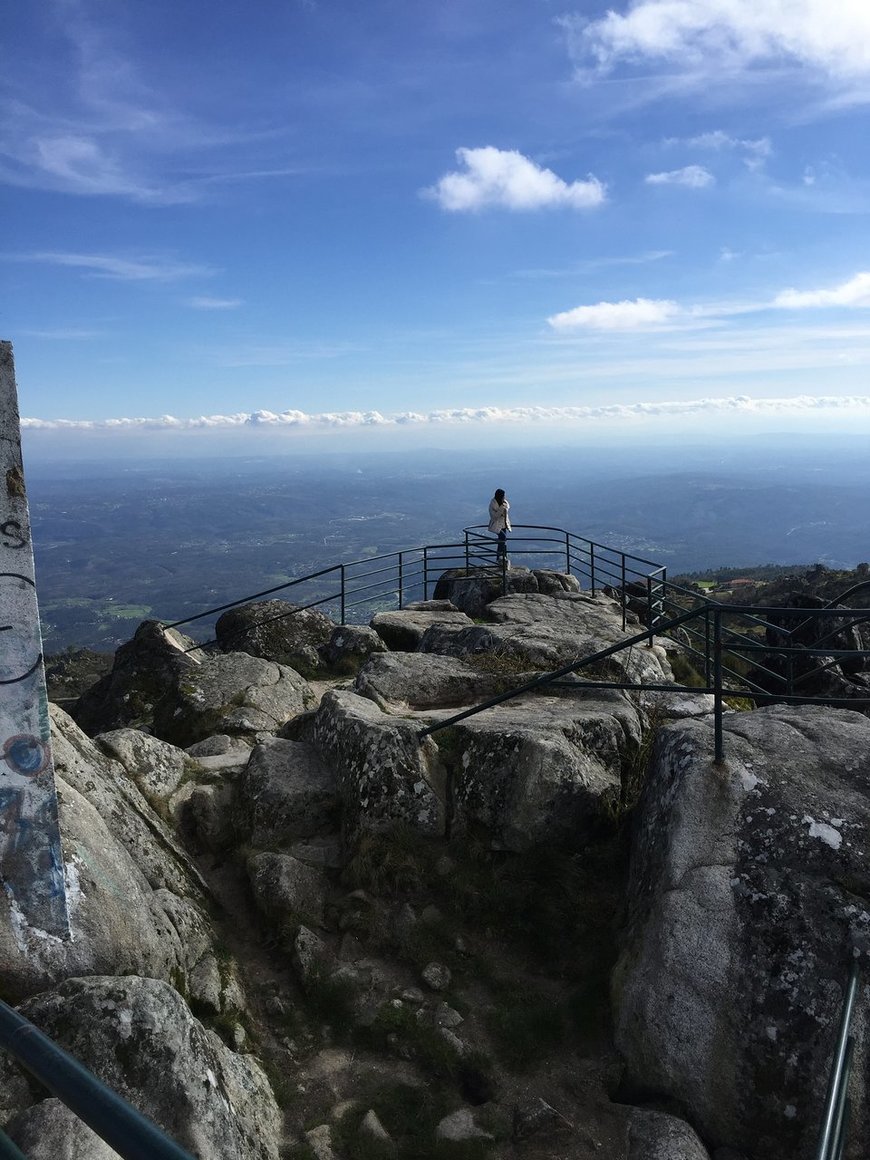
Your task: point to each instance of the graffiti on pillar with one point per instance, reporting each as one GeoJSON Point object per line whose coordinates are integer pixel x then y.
{"type": "Point", "coordinates": [31, 861]}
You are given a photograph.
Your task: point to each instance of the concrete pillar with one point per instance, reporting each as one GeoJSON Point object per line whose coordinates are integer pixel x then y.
{"type": "Point", "coordinates": [31, 860]}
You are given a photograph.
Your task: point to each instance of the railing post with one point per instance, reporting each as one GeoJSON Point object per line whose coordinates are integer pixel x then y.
{"type": "Point", "coordinates": [467, 559]}
{"type": "Point", "coordinates": [342, 594]}
{"type": "Point", "coordinates": [425, 572]}
{"type": "Point", "coordinates": [567, 553]}
{"type": "Point", "coordinates": [504, 574]}
{"type": "Point", "coordinates": [622, 588]}
{"type": "Point", "coordinates": [719, 745]}
{"type": "Point", "coordinates": [650, 617]}
{"type": "Point", "coordinates": [592, 567]}
{"type": "Point", "coordinates": [401, 581]}
{"type": "Point", "coordinates": [707, 658]}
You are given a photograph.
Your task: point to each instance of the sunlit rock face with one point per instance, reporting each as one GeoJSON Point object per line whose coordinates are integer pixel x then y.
{"type": "Point", "coordinates": [386, 777]}
{"type": "Point", "coordinates": [749, 892]}
{"type": "Point", "coordinates": [162, 683]}
{"type": "Point", "coordinates": [137, 904]}
{"type": "Point", "coordinates": [549, 631]}
{"type": "Point", "coordinates": [474, 588]}
{"type": "Point", "coordinates": [276, 630]}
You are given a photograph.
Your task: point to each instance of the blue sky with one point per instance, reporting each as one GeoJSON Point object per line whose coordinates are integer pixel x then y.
{"type": "Point", "coordinates": [316, 216]}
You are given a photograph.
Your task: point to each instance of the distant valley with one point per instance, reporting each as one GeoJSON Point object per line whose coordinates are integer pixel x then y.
{"type": "Point", "coordinates": [118, 542]}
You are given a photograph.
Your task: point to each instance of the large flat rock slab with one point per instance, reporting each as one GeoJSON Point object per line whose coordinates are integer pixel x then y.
{"type": "Point", "coordinates": [403, 631]}
{"type": "Point", "coordinates": [425, 681]}
{"type": "Point", "coordinates": [549, 631]}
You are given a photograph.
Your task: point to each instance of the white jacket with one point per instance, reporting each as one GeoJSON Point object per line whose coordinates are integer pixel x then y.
{"type": "Point", "coordinates": [499, 520]}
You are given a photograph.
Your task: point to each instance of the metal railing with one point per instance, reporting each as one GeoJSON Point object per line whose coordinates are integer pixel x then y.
{"type": "Point", "coordinates": [596, 566]}
{"type": "Point", "coordinates": [838, 1106]}
{"type": "Point", "coordinates": [760, 653]}
{"type": "Point", "coordinates": [131, 1134]}
{"type": "Point", "coordinates": [734, 661]}
{"type": "Point", "coordinates": [352, 592]}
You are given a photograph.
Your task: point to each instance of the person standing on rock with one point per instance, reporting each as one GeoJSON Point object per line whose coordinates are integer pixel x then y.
{"type": "Point", "coordinates": [499, 522]}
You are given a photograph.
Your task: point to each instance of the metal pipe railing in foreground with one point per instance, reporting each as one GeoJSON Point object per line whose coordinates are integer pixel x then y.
{"type": "Point", "coordinates": [835, 1120]}
{"type": "Point", "coordinates": [131, 1134]}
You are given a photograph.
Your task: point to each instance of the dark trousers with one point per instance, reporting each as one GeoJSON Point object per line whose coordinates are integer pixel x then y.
{"type": "Point", "coordinates": [501, 550]}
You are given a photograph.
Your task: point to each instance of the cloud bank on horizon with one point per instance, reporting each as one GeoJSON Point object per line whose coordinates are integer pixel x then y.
{"type": "Point", "coordinates": [633, 199]}
{"type": "Point", "coordinates": [463, 416]}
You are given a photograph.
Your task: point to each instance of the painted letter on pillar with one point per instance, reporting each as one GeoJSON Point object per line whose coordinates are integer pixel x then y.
{"type": "Point", "coordinates": [31, 860]}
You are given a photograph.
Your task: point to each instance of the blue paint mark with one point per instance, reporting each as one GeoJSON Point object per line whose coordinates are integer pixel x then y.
{"type": "Point", "coordinates": [25, 754]}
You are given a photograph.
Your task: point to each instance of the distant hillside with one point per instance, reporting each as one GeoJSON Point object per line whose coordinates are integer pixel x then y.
{"type": "Point", "coordinates": [773, 583]}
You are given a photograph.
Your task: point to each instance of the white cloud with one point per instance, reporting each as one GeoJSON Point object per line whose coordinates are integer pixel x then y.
{"type": "Point", "coordinates": [755, 150]}
{"type": "Point", "coordinates": [142, 269]}
{"type": "Point", "coordinates": [203, 302]}
{"type": "Point", "coordinates": [693, 176]}
{"type": "Point", "coordinates": [294, 420]}
{"type": "Point", "coordinates": [855, 292]}
{"type": "Point", "coordinates": [652, 313]}
{"type": "Point", "coordinates": [504, 177]}
{"type": "Point", "coordinates": [62, 334]}
{"type": "Point", "coordinates": [833, 39]}
{"type": "Point", "coordinates": [637, 315]}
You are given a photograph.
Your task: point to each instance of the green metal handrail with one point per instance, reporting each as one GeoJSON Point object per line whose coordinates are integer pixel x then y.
{"type": "Point", "coordinates": [838, 1106]}
{"type": "Point", "coordinates": [131, 1134]}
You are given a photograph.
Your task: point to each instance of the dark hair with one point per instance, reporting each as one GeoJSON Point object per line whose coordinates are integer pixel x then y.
{"type": "Point", "coordinates": [499, 495]}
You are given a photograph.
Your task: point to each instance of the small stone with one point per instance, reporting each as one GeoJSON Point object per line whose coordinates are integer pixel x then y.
{"type": "Point", "coordinates": [436, 976]}
{"type": "Point", "coordinates": [320, 1142]}
{"type": "Point", "coordinates": [413, 996]}
{"type": "Point", "coordinates": [240, 1037]}
{"type": "Point", "coordinates": [459, 1126]}
{"type": "Point", "coordinates": [446, 1016]}
{"type": "Point", "coordinates": [452, 1040]}
{"type": "Point", "coordinates": [372, 1128]}
{"type": "Point", "coordinates": [431, 915]}
{"type": "Point", "coordinates": [309, 954]}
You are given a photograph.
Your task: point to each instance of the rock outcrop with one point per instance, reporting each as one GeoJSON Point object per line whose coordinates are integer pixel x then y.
{"type": "Point", "coordinates": [138, 1036]}
{"type": "Point", "coordinates": [137, 903]}
{"type": "Point", "coordinates": [749, 895]}
{"type": "Point", "coordinates": [403, 631]}
{"type": "Point", "coordinates": [142, 671]}
{"type": "Point", "coordinates": [386, 777]}
{"type": "Point", "coordinates": [368, 872]}
{"type": "Point", "coordinates": [473, 589]}
{"type": "Point", "coordinates": [276, 630]}
{"type": "Point", "coordinates": [236, 694]}
{"type": "Point", "coordinates": [548, 632]}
